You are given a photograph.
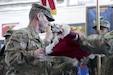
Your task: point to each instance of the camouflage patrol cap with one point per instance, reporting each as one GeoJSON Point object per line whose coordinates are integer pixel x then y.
{"type": "Point", "coordinates": [8, 33]}
{"type": "Point", "coordinates": [103, 23]}
{"type": "Point", "coordinates": [43, 9]}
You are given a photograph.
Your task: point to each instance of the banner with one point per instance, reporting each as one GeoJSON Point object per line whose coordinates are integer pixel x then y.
{"type": "Point", "coordinates": [91, 16]}
{"type": "Point", "coordinates": [8, 26]}
{"type": "Point", "coordinates": [83, 70]}
{"type": "Point", "coordinates": [50, 4]}
{"type": "Point", "coordinates": [80, 26]}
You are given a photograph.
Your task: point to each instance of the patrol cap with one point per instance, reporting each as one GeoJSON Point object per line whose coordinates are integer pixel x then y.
{"type": "Point", "coordinates": [8, 33]}
{"type": "Point", "coordinates": [43, 9]}
{"type": "Point", "coordinates": [103, 23]}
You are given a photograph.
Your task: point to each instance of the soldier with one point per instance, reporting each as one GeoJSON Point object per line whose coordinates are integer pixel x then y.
{"type": "Point", "coordinates": [7, 36]}
{"type": "Point", "coordinates": [97, 44]}
{"type": "Point", "coordinates": [107, 60]}
{"type": "Point", "coordinates": [25, 46]}
{"type": "Point", "coordinates": [104, 28]}
{"type": "Point", "coordinates": [2, 56]}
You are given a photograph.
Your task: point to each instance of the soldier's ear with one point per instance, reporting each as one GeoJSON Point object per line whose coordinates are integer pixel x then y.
{"type": "Point", "coordinates": [40, 16]}
{"type": "Point", "coordinates": [37, 16]}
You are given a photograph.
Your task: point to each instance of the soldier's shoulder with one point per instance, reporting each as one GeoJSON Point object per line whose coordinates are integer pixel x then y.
{"type": "Point", "coordinates": [21, 33]}
{"type": "Point", "coordinates": [109, 35]}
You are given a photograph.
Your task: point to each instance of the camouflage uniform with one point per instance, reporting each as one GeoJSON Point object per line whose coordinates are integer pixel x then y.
{"type": "Point", "coordinates": [92, 64]}
{"type": "Point", "coordinates": [21, 63]}
{"type": "Point", "coordinates": [62, 66]}
{"type": "Point", "coordinates": [98, 44]}
{"type": "Point", "coordinates": [2, 65]}
{"type": "Point", "coordinates": [18, 56]}
{"type": "Point", "coordinates": [2, 56]}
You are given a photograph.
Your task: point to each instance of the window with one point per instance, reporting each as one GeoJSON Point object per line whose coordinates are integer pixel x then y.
{"type": "Point", "coordinates": [85, 1]}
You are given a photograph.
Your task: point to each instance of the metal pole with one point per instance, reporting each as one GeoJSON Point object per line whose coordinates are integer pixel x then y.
{"type": "Point", "coordinates": [98, 15]}
{"type": "Point", "coordinates": [98, 28]}
{"type": "Point", "coordinates": [99, 64]}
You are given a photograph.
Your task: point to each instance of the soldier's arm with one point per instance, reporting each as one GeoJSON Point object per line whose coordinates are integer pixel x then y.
{"type": "Point", "coordinates": [16, 49]}
{"type": "Point", "coordinates": [95, 44]}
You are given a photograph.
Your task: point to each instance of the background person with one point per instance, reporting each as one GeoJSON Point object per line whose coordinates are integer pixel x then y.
{"type": "Point", "coordinates": [92, 63]}
{"type": "Point", "coordinates": [3, 67]}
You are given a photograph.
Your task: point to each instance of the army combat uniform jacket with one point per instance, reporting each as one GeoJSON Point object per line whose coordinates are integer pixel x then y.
{"type": "Point", "coordinates": [20, 61]}
{"type": "Point", "coordinates": [98, 44]}
{"type": "Point", "coordinates": [18, 56]}
{"type": "Point", "coordinates": [2, 65]}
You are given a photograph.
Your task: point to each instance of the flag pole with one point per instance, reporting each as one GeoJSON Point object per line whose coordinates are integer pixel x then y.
{"type": "Point", "coordinates": [98, 28]}
{"type": "Point", "coordinates": [98, 15]}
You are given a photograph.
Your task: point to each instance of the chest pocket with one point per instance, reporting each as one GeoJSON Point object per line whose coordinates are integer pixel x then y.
{"type": "Point", "coordinates": [34, 44]}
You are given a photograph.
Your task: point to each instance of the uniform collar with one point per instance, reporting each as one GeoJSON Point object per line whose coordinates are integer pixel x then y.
{"type": "Point", "coordinates": [33, 33]}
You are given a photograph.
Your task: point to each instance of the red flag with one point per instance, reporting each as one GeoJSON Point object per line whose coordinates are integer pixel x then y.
{"type": "Point", "coordinates": [43, 2]}
{"type": "Point", "coordinates": [8, 26]}
{"type": "Point", "coordinates": [70, 48]}
{"type": "Point", "coordinates": [51, 4]}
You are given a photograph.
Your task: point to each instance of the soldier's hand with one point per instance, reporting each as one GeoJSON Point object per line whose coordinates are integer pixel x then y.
{"type": "Point", "coordinates": [80, 33]}
{"type": "Point", "coordinates": [39, 53]}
